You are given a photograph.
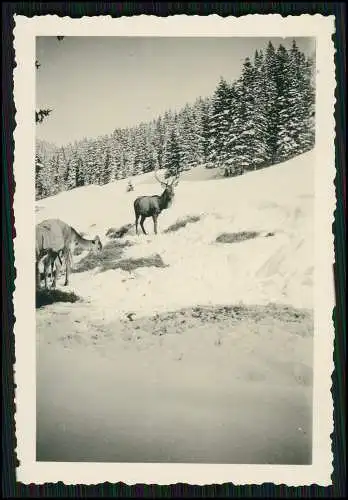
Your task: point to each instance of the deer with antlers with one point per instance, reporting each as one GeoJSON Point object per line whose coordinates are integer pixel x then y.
{"type": "Point", "coordinates": [152, 206]}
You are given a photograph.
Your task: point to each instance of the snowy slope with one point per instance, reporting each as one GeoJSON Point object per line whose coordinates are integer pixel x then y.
{"type": "Point", "coordinates": [278, 268]}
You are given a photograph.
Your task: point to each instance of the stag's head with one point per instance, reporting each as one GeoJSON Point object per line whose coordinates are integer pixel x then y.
{"type": "Point", "coordinates": [169, 187]}
{"type": "Point", "coordinates": [97, 244]}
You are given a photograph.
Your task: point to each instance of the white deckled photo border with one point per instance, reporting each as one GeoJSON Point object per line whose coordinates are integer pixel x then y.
{"type": "Point", "coordinates": [25, 31]}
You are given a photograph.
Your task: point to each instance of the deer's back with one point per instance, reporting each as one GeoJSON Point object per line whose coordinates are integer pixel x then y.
{"type": "Point", "coordinates": [146, 205]}
{"type": "Point", "coordinates": [52, 234]}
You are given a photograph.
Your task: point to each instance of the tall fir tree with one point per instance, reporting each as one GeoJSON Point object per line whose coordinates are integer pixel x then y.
{"type": "Point", "coordinates": [219, 123]}
{"type": "Point", "coordinates": [71, 173]}
{"type": "Point", "coordinates": [231, 164]}
{"type": "Point", "coordinates": [188, 143]}
{"type": "Point", "coordinates": [270, 91]}
{"type": "Point", "coordinates": [52, 186]}
{"type": "Point", "coordinates": [262, 155]}
{"type": "Point", "coordinates": [246, 142]}
{"type": "Point", "coordinates": [124, 162]}
{"type": "Point", "coordinates": [106, 176]}
{"type": "Point", "coordinates": [197, 126]}
{"type": "Point", "coordinates": [173, 163]}
{"type": "Point", "coordinates": [284, 140]}
{"type": "Point", "coordinates": [160, 140]}
{"type": "Point", "coordinates": [307, 131]}
{"type": "Point", "coordinates": [39, 170]}
{"type": "Point", "coordinates": [79, 173]}
{"type": "Point", "coordinates": [89, 164]}
{"type": "Point", "coordinates": [150, 159]}
{"type": "Point", "coordinates": [301, 127]}
{"type": "Point", "coordinates": [205, 131]}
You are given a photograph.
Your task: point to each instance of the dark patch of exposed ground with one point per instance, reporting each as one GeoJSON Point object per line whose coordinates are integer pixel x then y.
{"type": "Point", "coordinates": [46, 297]}
{"type": "Point", "coordinates": [113, 232]}
{"type": "Point", "coordinates": [255, 319]}
{"type": "Point", "coordinates": [236, 237]}
{"type": "Point", "coordinates": [181, 223]}
{"type": "Point", "coordinates": [297, 321]}
{"type": "Point", "coordinates": [111, 252]}
{"type": "Point", "coordinates": [241, 236]}
{"type": "Point", "coordinates": [110, 258]}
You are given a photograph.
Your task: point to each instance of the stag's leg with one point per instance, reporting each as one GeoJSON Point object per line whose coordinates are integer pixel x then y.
{"type": "Point", "coordinates": [136, 222]}
{"type": "Point", "coordinates": [154, 218]}
{"type": "Point", "coordinates": [142, 220]}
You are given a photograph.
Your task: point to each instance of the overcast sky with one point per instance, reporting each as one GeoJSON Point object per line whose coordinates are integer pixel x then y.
{"type": "Point", "coordinates": [97, 84]}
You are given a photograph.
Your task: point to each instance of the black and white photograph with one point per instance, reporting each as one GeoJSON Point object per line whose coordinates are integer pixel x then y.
{"type": "Point", "coordinates": [172, 254]}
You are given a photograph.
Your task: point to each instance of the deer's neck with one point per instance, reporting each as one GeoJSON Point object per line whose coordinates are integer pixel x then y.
{"type": "Point", "coordinates": [164, 200]}
{"type": "Point", "coordinates": [82, 242]}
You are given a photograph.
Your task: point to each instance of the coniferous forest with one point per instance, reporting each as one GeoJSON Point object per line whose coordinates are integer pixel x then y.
{"type": "Point", "coordinates": [265, 117]}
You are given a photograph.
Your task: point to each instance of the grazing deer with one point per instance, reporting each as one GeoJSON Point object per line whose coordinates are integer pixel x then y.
{"type": "Point", "coordinates": [152, 206]}
{"type": "Point", "coordinates": [54, 239]}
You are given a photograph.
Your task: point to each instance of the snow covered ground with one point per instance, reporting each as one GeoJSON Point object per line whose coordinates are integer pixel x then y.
{"type": "Point", "coordinates": [203, 384]}
{"type": "Point", "coordinates": [278, 268]}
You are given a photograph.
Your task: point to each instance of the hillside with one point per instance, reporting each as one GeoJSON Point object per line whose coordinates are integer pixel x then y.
{"type": "Point", "coordinates": [277, 200]}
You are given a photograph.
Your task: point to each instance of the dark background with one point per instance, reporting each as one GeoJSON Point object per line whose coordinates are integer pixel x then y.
{"type": "Point", "coordinates": [11, 488]}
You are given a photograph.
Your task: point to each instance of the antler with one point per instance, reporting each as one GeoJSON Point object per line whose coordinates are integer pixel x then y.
{"type": "Point", "coordinates": [158, 179]}
{"type": "Point", "coordinates": [176, 178]}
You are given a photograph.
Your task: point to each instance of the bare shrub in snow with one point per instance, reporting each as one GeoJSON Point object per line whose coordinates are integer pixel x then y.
{"type": "Point", "coordinates": [131, 264]}
{"type": "Point", "coordinates": [181, 223]}
{"type": "Point", "coordinates": [237, 237]}
{"type": "Point", "coordinates": [118, 233]}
